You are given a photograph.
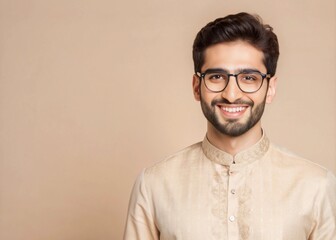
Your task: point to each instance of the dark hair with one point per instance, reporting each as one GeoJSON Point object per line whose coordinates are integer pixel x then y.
{"type": "Point", "coordinates": [241, 26]}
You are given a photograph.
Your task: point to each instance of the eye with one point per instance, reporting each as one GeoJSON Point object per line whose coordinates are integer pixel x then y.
{"type": "Point", "coordinates": [213, 76]}
{"type": "Point", "coordinates": [216, 76]}
{"type": "Point", "coordinates": [249, 77]}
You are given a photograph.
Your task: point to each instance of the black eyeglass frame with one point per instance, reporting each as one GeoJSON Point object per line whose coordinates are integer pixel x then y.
{"type": "Point", "coordinates": [263, 75]}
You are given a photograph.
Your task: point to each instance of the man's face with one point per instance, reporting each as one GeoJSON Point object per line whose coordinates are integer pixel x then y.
{"type": "Point", "coordinates": [233, 112]}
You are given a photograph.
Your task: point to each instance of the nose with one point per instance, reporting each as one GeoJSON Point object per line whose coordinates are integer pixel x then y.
{"type": "Point", "coordinates": [232, 91]}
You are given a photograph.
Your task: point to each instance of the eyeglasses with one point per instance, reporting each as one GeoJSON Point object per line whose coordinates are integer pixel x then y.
{"type": "Point", "coordinates": [248, 80]}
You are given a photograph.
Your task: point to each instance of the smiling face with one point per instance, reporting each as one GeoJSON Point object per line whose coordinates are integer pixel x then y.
{"type": "Point", "coordinates": [233, 112]}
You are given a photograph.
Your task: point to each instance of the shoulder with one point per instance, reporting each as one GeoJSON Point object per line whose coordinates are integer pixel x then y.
{"type": "Point", "coordinates": [179, 160]}
{"type": "Point", "coordinates": [171, 172]}
{"type": "Point", "coordinates": [292, 163]}
{"type": "Point", "coordinates": [297, 175]}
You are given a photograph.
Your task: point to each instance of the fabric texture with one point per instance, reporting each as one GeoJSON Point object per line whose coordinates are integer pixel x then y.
{"type": "Point", "coordinates": [262, 193]}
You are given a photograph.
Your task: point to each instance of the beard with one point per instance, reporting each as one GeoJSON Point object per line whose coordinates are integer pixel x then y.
{"type": "Point", "coordinates": [232, 127]}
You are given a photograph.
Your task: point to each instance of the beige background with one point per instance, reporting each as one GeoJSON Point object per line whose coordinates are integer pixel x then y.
{"type": "Point", "coordinates": [93, 91]}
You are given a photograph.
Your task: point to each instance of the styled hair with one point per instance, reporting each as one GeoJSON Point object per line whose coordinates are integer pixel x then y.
{"type": "Point", "coordinates": [241, 26]}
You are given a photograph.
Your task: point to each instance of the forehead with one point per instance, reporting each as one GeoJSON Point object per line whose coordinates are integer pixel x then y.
{"type": "Point", "coordinates": [232, 56]}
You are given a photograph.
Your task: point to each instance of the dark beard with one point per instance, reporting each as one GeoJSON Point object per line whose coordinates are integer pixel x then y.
{"type": "Point", "coordinates": [233, 128]}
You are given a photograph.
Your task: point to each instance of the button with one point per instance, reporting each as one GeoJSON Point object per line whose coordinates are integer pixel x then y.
{"type": "Point", "coordinates": [232, 218]}
{"type": "Point", "coordinates": [233, 191]}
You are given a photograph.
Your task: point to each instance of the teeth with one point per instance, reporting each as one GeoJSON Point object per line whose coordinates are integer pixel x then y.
{"type": "Point", "coordinates": [233, 110]}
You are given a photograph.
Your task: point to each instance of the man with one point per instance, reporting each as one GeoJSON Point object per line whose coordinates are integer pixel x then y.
{"type": "Point", "coordinates": [234, 184]}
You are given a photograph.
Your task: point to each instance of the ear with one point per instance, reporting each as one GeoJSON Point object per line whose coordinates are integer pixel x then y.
{"type": "Point", "coordinates": [271, 89]}
{"type": "Point", "coordinates": [196, 87]}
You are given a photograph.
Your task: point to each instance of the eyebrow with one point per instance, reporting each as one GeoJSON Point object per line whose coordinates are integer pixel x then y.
{"type": "Point", "coordinates": [239, 70]}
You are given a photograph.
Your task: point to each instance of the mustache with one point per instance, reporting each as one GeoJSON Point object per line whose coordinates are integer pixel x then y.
{"type": "Point", "coordinates": [225, 101]}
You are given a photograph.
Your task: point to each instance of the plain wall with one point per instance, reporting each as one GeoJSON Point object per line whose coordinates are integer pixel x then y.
{"type": "Point", "coordinates": [91, 92]}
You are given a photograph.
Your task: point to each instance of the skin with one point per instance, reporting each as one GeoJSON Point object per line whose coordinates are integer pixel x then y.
{"type": "Point", "coordinates": [234, 131]}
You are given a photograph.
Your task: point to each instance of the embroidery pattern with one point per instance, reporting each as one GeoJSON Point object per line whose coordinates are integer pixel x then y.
{"type": "Point", "coordinates": [244, 212]}
{"type": "Point", "coordinates": [249, 155]}
{"type": "Point", "coordinates": [220, 186]}
{"type": "Point", "coordinates": [219, 209]}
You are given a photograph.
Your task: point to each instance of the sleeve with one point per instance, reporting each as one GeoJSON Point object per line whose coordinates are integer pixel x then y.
{"type": "Point", "coordinates": [140, 224]}
{"type": "Point", "coordinates": [325, 222]}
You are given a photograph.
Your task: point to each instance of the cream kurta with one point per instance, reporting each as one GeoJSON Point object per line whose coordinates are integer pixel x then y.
{"type": "Point", "coordinates": [203, 193]}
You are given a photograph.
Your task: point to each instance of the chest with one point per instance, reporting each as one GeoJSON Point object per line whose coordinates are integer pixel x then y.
{"type": "Point", "coordinates": [227, 204]}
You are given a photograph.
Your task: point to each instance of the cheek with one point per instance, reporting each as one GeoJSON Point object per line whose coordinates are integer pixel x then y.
{"type": "Point", "coordinates": [260, 96]}
{"type": "Point", "coordinates": [207, 96]}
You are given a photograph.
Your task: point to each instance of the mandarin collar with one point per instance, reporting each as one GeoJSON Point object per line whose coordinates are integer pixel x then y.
{"type": "Point", "coordinates": [249, 155]}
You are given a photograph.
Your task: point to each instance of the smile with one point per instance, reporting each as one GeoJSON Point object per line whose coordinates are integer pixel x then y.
{"type": "Point", "coordinates": [233, 109]}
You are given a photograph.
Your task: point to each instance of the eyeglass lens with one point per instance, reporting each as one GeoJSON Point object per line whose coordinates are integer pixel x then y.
{"type": "Point", "coordinates": [247, 82]}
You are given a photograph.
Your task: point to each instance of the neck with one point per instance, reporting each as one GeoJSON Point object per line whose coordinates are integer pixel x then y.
{"type": "Point", "coordinates": [234, 145]}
